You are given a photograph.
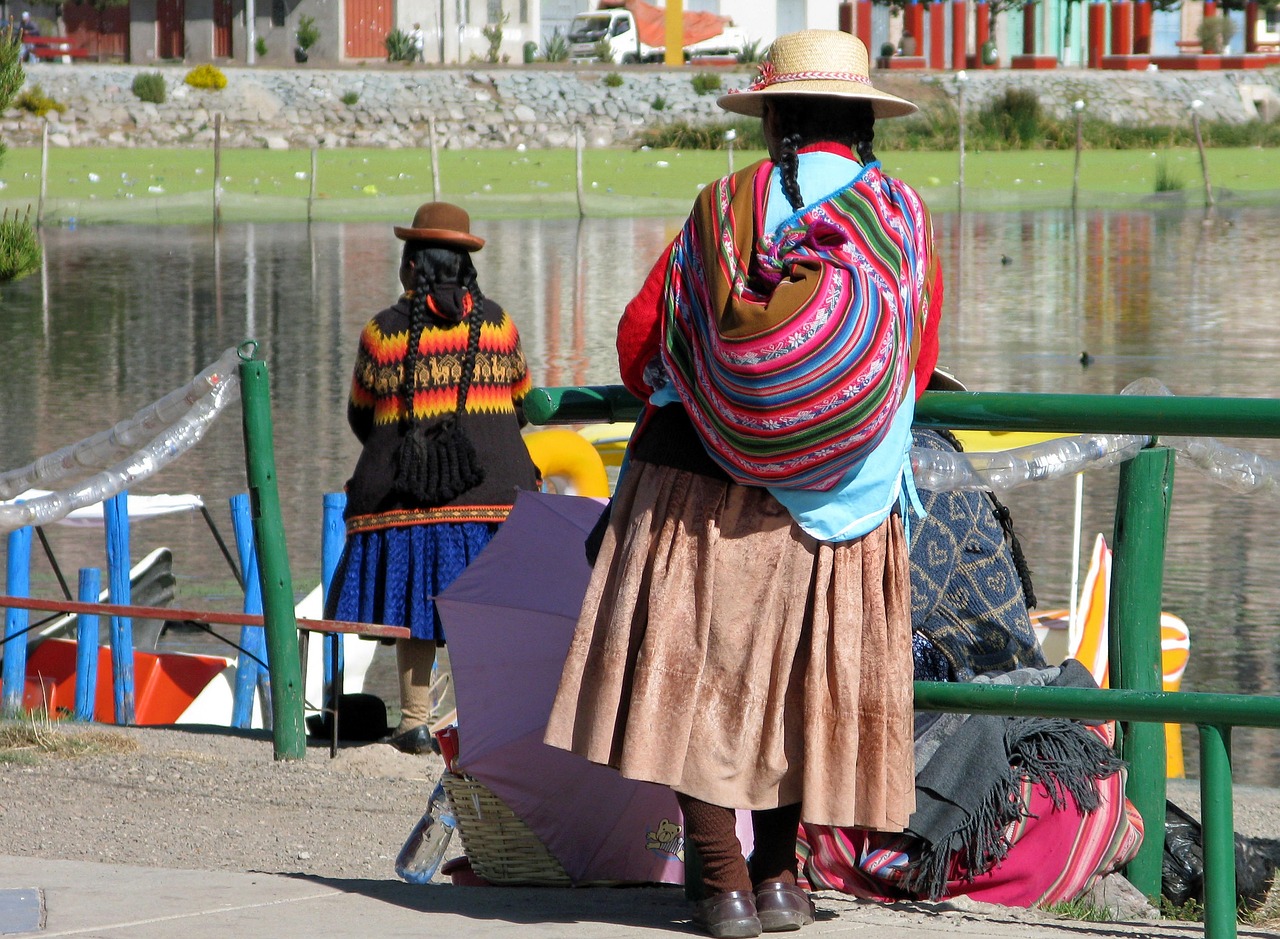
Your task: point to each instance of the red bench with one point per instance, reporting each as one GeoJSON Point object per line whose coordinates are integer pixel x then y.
{"type": "Point", "coordinates": [51, 48]}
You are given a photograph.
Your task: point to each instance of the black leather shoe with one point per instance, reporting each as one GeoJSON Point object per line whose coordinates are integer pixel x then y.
{"type": "Point", "coordinates": [728, 915]}
{"type": "Point", "coordinates": [416, 740]}
{"type": "Point", "coordinates": [783, 907]}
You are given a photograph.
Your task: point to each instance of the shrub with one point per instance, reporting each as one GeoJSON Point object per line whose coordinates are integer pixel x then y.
{"type": "Point", "coordinates": [206, 76]}
{"type": "Point", "coordinates": [1214, 32]}
{"type": "Point", "coordinates": [887, 49]}
{"type": "Point", "coordinates": [1167, 180]}
{"type": "Point", "coordinates": [260, 46]}
{"type": "Point", "coordinates": [613, 80]}
{"type": "Point", "coordinates": [493, 34]}
{"type": "Point", "coordinates": [555, 48]}
{"type": "Point", "coordinates": [937, 128]}
{"type": "Point", "coordinates": [603, 51]}
{"type": "Point", "coordinates": [19, 247]}
{"type": "Point", "coordinates": [35, 101]}
{"type": "Point", "coordinates": [19, 243]}
{"type": "Point", "coordinates": [400, 46]}
{"type": "Point", "coordinates": [350, 97]}
{"type": "Point", "coordinates": [1014, 117]}
{"type": "Point", "coordinates": [751, 52]}
{"type": "Point", "coordinates": [12, 74]}
{"type": "Point", "coordinates": [307, 34]}
{"type": "Point", "coordinates": [705, 83]}
{"type": "Point", "coordinates": [149, 86]}
{"type": "Point", "coordinates": [683, 135]}
{"type": "Point", "coordinates": [659, 103]}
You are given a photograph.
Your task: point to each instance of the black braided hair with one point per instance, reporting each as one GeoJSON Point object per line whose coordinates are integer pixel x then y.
{"type": "Point", "coordinates": [788, 164]}
{"type": "Point", "coordinates": [435, 266]}
{"type": "Point", "coordinates": [851, 123]}
{"type": "Point", "coordinates": [440, 470]}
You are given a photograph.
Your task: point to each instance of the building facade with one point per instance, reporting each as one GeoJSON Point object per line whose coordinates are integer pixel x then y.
{"type": "Point", "coordinates": [462, 31]}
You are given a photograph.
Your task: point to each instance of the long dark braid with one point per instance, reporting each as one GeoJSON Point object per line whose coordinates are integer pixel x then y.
{"type": "Point", "coordinates": [863, 148]}
{"type": "Point", "coordinates": [418, 320]}
{"type": "Point", "coordinates": [434, 266]}
{"type": "Point", "coordinates": [851, 123]}
{"type": "Point", "coordinates": [467, 277]}
{"type": "Point", "coordinates": [788, 165]}
{"type": "Point", "coordinates": [446, 465]}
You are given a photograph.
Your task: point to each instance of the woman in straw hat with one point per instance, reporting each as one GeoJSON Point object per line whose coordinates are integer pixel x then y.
{"type": "Point", "coordinates": [436, 404]}
{"type": "Point", "coordinates": [746, 636]}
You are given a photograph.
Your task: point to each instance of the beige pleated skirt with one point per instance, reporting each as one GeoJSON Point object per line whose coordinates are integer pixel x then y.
{"type": "Point", "coordinates": [725, 653]}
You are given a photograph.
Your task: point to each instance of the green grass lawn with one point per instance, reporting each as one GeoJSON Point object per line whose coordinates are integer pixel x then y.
{"type": "Point", "coordinates": [101, 185]}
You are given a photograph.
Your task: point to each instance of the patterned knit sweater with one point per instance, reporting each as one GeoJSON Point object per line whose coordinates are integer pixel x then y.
{"type": "Point", "coordinates": [377, 412]}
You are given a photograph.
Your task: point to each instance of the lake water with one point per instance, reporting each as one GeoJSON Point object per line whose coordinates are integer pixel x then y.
{"type": "Point", "coordinates": [122, 315]}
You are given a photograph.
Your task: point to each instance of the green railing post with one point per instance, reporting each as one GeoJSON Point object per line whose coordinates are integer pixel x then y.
{"type": "Point", "coordinates": [1137, 582]}
{"type": "Point", "coordinates": [287, 730]}
{"type": "Point", "coordinates": [1219, 832]}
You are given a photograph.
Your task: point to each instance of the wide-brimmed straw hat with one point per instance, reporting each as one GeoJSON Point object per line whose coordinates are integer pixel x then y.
{"type": "Point", "coordinates": [815, 63]}
{"type": "Point", "coordinates": [441, 223]}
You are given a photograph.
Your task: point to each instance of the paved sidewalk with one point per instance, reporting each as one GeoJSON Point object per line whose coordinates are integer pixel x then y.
{"type": "Point", "coordinates": [118, 902]}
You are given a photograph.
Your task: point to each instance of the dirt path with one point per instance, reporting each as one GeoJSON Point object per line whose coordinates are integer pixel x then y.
{"type": "Point", "coordinates": [213, 800]}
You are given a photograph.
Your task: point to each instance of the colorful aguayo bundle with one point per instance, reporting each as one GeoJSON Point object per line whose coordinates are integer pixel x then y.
{"type": "Point", "coordinates": [804, 337]}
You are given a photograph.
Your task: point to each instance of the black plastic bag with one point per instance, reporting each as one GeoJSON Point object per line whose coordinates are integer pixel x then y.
{"type": "Point", "coordinates": [1182, 868]}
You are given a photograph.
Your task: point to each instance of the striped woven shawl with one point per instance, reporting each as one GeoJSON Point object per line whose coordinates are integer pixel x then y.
{"type": "Point", "coordinates": [792, 351]}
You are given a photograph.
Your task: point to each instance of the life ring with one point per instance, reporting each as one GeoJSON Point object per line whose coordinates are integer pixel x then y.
{"type": "Point", "coordinates": [569, 463]}
{"type": "Point", "coordinates": [610, 440]}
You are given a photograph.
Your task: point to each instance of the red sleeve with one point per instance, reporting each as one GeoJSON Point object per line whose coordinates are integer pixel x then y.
{"type": "Point", "coordinates": [640, 329]}
{"type": "Point", "coordinates": [927, 359]}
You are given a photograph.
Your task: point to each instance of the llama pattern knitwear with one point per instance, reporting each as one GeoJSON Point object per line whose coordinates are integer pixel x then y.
{"type": "Point", "coordinates": [377, 409]}
{"type": "Point", "coordinates": [500, 372]}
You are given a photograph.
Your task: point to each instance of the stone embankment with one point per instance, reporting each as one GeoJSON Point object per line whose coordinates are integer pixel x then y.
{"type": "Point", "coordinates": [540, 105]}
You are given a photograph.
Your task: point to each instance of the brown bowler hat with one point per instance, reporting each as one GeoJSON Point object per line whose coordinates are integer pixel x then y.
{"type": "Point", "coordinates": [441, 223]}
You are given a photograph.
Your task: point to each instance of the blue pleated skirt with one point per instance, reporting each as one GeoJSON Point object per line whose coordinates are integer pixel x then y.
{"type": "Point", "coordinates": [391, 576]}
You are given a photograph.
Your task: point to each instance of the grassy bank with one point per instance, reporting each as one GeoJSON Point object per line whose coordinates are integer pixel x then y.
{"type": "Point", "coordinates": [140, 186]}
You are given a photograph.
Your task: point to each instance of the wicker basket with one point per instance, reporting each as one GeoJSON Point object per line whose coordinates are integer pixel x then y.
{"type": "Point", "coordinates": [502, 848]}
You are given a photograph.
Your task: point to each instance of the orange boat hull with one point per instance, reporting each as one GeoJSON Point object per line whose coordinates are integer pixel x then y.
{"type": "Point", "coordinates": [164, 683]}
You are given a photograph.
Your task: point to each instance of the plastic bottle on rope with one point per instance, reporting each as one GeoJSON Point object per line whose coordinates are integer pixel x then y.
{"type": "Point", "coordinates": [424, 849]}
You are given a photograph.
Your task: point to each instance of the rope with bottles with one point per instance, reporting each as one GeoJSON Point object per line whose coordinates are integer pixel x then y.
{"type": "Point", "coordinates": [155, 436]}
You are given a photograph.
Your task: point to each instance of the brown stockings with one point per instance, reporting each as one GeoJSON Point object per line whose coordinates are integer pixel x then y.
{"type": "Point", "coordinates": [711, 829]}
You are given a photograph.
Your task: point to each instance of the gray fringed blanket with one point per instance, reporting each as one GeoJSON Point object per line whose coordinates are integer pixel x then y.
{"type": "Point", "coordinates": [969, 770]}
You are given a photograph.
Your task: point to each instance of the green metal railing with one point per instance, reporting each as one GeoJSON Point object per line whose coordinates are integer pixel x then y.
{"type": "Point", "coordinates": [1142, 517]}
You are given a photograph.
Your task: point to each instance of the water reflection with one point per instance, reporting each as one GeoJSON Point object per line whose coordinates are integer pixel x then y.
{"type": "Point", "coordinates": [122, 315]}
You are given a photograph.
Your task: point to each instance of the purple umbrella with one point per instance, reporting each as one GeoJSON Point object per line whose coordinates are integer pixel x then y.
{"type": "Point", "coordinates": [509, 619]}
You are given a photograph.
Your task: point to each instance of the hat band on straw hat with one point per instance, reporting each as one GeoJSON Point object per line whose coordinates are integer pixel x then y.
{"type": "Point", "coordinates": [769, 76]}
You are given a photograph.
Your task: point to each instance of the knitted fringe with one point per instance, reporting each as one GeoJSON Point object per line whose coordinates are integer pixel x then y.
{"type": "Point", "coordinates": [1060, 755]}
{"type": "Point", "coordinates": [438, 465]}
